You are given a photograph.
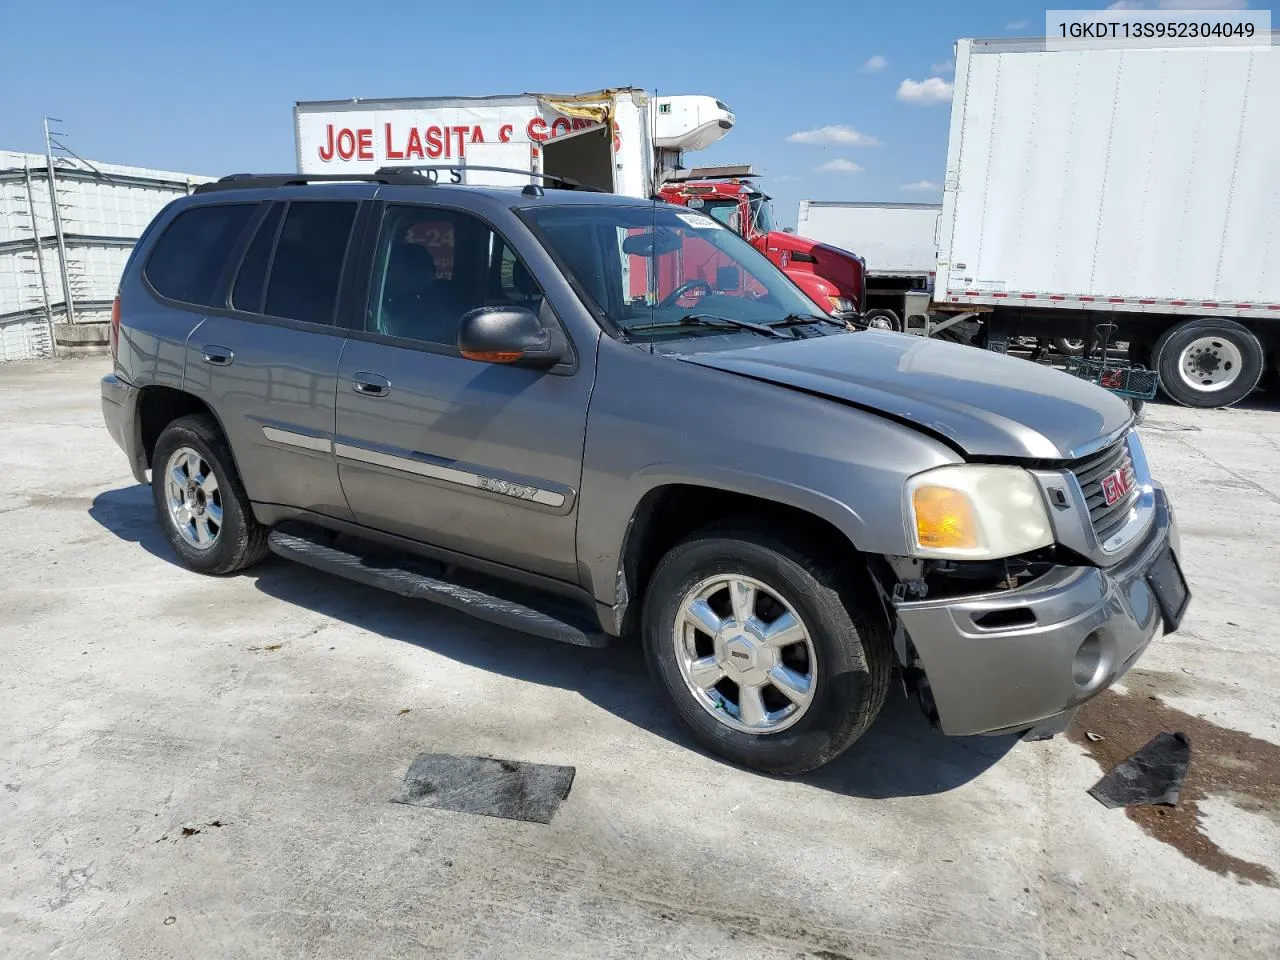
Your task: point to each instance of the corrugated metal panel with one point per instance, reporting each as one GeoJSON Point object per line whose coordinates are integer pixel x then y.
{"type": "Point", "coordinates": [104, 207]}
{"type": "Point", "coordinates": [24, 339]}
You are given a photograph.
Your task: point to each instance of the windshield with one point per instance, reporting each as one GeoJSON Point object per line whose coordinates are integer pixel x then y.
{"type": "Point", "coordinates": [655, 270]}
{"type": "Point", "coordinates": [762, 214]}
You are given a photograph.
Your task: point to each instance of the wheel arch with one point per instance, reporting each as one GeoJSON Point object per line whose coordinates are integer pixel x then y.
{"type": "Point", "coordinates": [158, 406]}
{"type": "Point", "coordinates": [670, 511]}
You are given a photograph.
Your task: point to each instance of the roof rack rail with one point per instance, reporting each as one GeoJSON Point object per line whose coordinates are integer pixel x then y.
{"type": "Point", "coordinates": [564, 183]}
{"type": "Point", "coordinates": [249, 181]}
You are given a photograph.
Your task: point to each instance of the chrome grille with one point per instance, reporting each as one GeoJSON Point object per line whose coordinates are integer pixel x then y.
{"type": "Point", "coordinates": [1090, 472]}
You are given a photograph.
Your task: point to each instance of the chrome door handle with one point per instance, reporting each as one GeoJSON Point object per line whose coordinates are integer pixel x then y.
{"type": "Point", "coordinates": [218, 356]}
{"type": "Point", "coordinates": [370, 385]}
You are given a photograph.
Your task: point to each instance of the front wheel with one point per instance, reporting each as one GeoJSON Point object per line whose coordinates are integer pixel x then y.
{"type": "Point", "coordinates": [764, 650]}
{"type": "Point", "coordinates": [1211, 362]}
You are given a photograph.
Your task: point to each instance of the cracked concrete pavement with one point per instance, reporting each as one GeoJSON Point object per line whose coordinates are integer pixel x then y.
{"type": "Point", "coordinates": [137, 698]}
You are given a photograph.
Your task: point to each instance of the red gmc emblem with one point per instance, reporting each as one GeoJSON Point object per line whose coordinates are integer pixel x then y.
{"type": "Point", "coordinates": [1116, 484]}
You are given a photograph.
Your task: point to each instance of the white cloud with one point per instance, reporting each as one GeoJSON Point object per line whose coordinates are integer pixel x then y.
{"type": "Point", "coordinates": [946, 66]}
{"type": "Point", "coordinates": [1017, 25]}
{"type": "Point", "coordinates": [874, 65]}
{"type": "Point", "coordinates": [933, 90]}
{"type": "Point", "coordinates": [1180, 5]}
{"type": "Point", "coordinates": [921, 186]}
{"type": "Point", "coordinates": [838, 166]}
{"type": "Point", "coordinates": [833, 133]}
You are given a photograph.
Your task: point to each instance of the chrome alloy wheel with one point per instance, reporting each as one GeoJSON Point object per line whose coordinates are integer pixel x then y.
{"type": "Point", "coordinates": [1210, 364]}
{"type": "Point", "coordinates": [745, 655]}
{"type": "Point", "coordinates": [195, 503]}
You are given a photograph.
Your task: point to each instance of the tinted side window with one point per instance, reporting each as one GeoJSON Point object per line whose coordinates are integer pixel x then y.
{"type": "Point", "coordinates": [192, 252]}
{"type": "Point", "coordinates": [432, 266]}
{"type": "Point", "coordinates": [307, 266]}
{"type": "Point", "coordinates": [251, 280]}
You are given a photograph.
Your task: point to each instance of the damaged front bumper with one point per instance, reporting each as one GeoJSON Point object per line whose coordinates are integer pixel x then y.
{"type": "Point", "coordinates": [1023, 660]}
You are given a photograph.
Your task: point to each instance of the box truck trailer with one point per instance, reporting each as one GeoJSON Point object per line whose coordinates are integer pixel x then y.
{"type": "Point", "coordinates": [1131, 186]}
{"type": "Point", "coordinates": [898, 241]}
{"type": "Point", "coordinates": [620, 140]}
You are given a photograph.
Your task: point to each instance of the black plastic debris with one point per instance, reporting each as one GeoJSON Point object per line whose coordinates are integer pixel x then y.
{"type": "Point", "coordinates": [489, 787]}
{"type": "Point", "coordinates": [1152, 775]}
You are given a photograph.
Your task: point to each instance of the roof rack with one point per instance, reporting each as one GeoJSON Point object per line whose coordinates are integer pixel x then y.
{"type": "Point", "coordinates": [432, 171]}
{"type": "Point", "coordinates": [249, 181]}
{"type": "Point", "coordinates": [410, 176]}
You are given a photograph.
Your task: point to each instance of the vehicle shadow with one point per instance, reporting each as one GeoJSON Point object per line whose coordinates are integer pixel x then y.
{"type": "Point", "coordinates": [900, 756]}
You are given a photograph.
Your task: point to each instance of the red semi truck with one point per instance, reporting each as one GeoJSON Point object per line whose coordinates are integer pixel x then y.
{"type": "Point", "coordinates": [833, 278]}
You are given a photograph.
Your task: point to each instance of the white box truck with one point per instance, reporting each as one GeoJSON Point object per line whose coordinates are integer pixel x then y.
{"type": "Point", "coordinates": [897, 240]}
{"type": "Point", "coordinates": [1134, 186]}
{"type": "Point", "coordinates": [621, 140]}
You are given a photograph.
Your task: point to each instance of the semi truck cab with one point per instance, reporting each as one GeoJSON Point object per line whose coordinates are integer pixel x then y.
{"type": "Point", "coordinates": [833, 278]}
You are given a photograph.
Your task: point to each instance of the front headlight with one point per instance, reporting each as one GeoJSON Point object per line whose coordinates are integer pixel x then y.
{"type": "Point", "coordinates": [841, 305]}
{"type": "Point", "coordinates": [975, 512]}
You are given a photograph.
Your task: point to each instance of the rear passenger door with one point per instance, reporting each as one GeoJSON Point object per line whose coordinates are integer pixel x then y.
{"type": "Point", "coordinates": [480, 458]}
{"type": "Point", "coordinates": [266, 358]}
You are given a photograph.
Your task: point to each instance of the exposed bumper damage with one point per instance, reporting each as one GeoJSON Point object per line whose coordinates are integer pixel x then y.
{"type": "Point", "coordinates": [1023, 659]}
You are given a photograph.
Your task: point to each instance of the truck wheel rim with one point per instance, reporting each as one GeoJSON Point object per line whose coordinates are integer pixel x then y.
{"type": "Point", "coordinates": [745, 655]}
{"type": "Point", "coordinates": [195, 502]}
{"type": "Point", "coordinates": [1210, 364]}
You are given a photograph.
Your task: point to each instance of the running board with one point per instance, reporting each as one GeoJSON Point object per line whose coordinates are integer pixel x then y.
{"type": "Point", "coordinates": [424, 580]}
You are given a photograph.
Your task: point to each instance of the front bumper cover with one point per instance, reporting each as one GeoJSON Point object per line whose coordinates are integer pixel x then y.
{"type": "Point", "coordinates": [1035, 674]}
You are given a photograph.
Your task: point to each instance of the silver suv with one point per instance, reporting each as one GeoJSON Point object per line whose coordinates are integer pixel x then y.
{"type": "Point", "coordinates": [590, 418]}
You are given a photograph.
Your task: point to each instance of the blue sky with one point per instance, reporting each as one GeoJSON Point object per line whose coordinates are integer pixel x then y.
{"type": "Point", "coordinates": [210, 88]}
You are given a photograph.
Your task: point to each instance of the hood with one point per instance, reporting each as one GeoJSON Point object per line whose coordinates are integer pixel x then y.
{"type": "Point", "coordinates": [984, 404]}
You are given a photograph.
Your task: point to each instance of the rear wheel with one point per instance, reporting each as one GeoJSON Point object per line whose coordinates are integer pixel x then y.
{"type": "Point", "coordinates": [200, 500]}
{"type": "Point", "coordinates": [764, 650]}
{"type": "Point", "coordinates": [1211, 362]}
{"type": "Point", "coordinates": [1067, 346]}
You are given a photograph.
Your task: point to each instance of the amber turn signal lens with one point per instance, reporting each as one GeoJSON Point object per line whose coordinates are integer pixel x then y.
{"type": "Point", "coordinates": [944, 519]}
{"type": "Point", "coordinates": [491, 357]}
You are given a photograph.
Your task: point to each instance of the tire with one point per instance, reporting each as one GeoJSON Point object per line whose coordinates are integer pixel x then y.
{"type": "Point", "coordinates": [1067, 346]}
{"type": "Point", "coordinates": [882, 320]}
{"type": "Point", "coordinates": [966, 332]}
{"type": "Point", "coordinates": [848, 651]}
{"type": "Point", "coordinates": [238, 541]}
{"type": "Point", "coordinates": [1210, 362]}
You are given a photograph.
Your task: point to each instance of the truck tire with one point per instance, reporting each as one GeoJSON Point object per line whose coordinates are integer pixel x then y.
{"type": "Point", "coordinates": [882, 319]}
{"type": "Point", "coordinates": [1209, 362]}
{"type": "Point", "coordinates": [966, 332]}
{"type": "Point", "coordinates": [200, 500]}
{"type": "Point", "coordinates": [767, 653]}
{"type": "Point", "coordinates": [1067, 346]}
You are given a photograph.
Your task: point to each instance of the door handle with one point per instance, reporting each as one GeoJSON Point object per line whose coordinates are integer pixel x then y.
{"type": "Point", "coordinates": [370, 384]}
{"type": "Point", "coordinates": [218, 356]}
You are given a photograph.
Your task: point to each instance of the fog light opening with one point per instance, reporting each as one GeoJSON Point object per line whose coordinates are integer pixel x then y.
{"type": "Point", "coordinates": [1089, 667]}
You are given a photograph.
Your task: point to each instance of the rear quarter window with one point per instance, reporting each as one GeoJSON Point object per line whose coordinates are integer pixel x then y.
{"type": "Point", "coordinates": [192, 252]}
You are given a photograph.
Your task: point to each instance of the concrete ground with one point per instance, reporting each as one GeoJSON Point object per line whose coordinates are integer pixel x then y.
{"type": "Point", "coordinates": [272, 714]}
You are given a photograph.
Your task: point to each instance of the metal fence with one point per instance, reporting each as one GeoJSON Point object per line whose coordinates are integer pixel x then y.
{"type": "Point", "coordinates": [64, 240]}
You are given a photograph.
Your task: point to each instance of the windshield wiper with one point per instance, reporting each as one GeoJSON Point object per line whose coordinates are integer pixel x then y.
{"type": "Point", "coordinates": [795, 319]}
{"type": "Point", "coordinates": [707, 320]}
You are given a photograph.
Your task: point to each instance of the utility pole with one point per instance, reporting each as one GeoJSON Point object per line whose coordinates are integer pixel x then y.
{"type": "Point", "coordinates": [57, 223]}
{"type": "Point", "coordinates": [39, 242]}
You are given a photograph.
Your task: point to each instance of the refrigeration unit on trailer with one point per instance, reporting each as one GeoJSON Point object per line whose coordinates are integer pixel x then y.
{"type": "Point", "coordinates": [620, 140]}
{"type": "Point", "coordinates": [1134, 186]}
{"type": "Point", "coordinates": [897, 240]}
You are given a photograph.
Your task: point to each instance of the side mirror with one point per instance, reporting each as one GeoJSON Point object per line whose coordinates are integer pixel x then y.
{"type": "Point", "coordinates": [506, 335]}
